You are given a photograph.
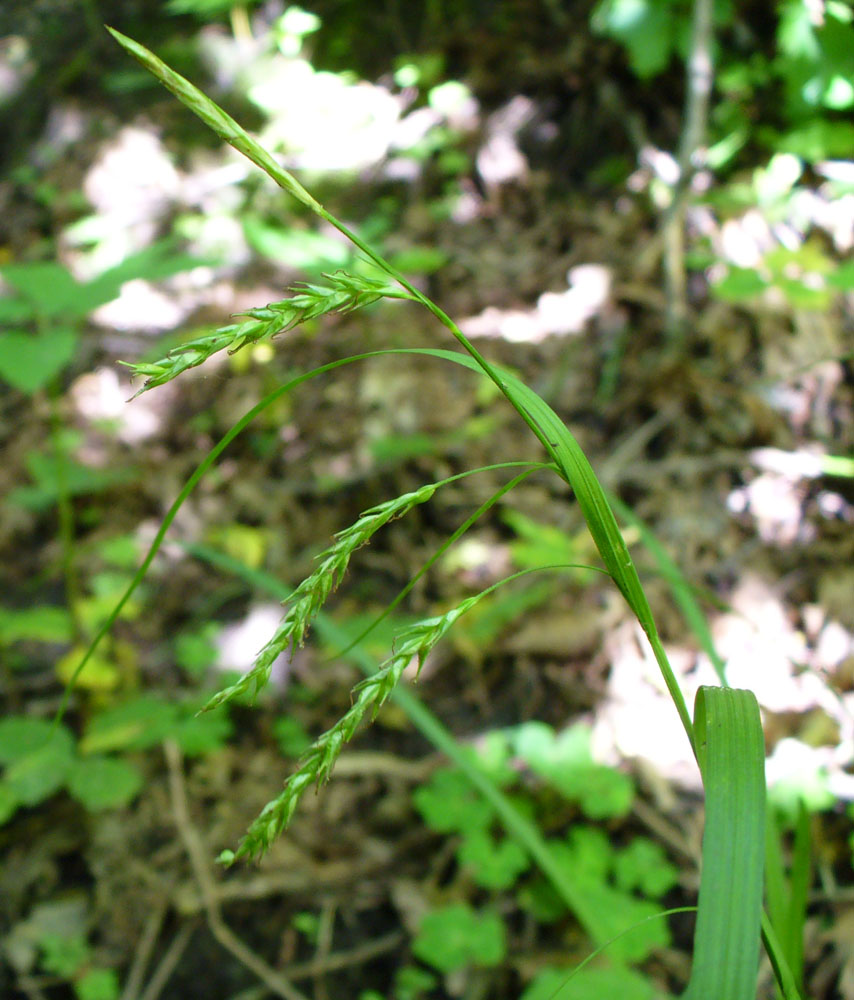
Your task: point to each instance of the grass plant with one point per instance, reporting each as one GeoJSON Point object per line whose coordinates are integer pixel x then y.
{"type": "Point", "coordinates": [724, 730]}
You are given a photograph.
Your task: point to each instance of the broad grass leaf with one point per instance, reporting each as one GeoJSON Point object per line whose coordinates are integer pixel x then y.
{"type": "Point", "coordinates": [731, 754]}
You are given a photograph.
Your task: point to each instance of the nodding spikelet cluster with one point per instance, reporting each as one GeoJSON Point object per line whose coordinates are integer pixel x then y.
{"type": "Point", "coordinates": [412, 645]}
{"type": "Point", "coordinates": [311, 594]}
{"type": "Point", "coordinates": [343, 293]}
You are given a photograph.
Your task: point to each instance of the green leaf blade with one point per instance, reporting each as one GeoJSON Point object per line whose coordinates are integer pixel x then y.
{"type": "Point", "coordinates": [732, 759]}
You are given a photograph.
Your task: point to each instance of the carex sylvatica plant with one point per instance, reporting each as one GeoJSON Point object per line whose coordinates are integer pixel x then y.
{"type": "Point", "coordinates": [724, 730]}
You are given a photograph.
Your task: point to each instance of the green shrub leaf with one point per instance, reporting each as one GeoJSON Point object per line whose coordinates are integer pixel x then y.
{"type": "Point", "coordinates": [42, 623]}
{"type": "Point", "coordinates": [201, 734]}
{"type": "Point", "coordinates": [40, 764]}
{"type": "Point", "coordinates": [495, 863]}
{"type": "Point", "coordinates": [448, 803]}
{"type": "Point", "coordinates": [643, 865]}
{"type": "Point", "coordinates": [104, 782]}
{"type": "Point", "coordinates": [98, 984]}
{"type": "Point", "coordinates": [8, 802]}
{"type": "Point", "coordinates": [135, 725]}
{"type": "Point", "coordinates": [21, 736]}
{"type": "Point", "coordinates": [590, 984]}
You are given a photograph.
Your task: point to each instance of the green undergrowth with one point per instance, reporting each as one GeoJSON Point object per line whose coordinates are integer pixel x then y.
{"type": "Point", "coordinates": [622, 882]}
{"type": "Point", "coordinates": [41, 759]}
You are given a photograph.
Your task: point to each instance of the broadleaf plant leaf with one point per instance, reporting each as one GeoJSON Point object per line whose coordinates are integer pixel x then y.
{"type": "Point", "coordinates": [28, 361]}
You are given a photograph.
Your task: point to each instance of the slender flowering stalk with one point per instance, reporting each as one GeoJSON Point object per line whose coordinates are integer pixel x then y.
{"type": "Point", "coordinates": [413, 644]}
{"type": "Point", "coordinates": [216, 119]}
{"type": "Point", "coordinates": [344, 293]}
{"type": "Point", "coordinates": [311, 594]}
{"type": "Point", "coordinates": [728, 740]}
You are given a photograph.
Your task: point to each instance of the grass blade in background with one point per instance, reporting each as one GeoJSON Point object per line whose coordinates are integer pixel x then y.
{"type": "Point", "coordinates": [787, 896]}
{"type": "Point", "coordinates": [683, 593]}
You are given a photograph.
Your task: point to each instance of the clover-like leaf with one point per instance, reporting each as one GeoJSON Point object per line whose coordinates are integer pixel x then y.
{"type": "Point", "coordinates": [495, 863]}
{"type": "Point", "coordinates": [454, 937]}
{"type": "Point", "coordinates": [644, 865]}
{"type": "Point", "coordinates": [28, 361]}
{"type": "Point", "coordinates": [104, 782]}
{"type": "Point", "coordinates": [566, 762]}
{"type": "Point", "coordinates": [40, 765]}
{"type": "Point", "coordinates": [587, 983]}
{"type": "Point", "coordinates": [448, 803]}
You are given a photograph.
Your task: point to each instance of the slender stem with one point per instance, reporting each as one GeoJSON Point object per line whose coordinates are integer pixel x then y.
{"type": "Point", "coordinates": [442, 316]}
{"type": "Point", "coordinates": [699, 80]}
{"type": "Point", "coordinates": [673, 687]}
{"type": "Point", "coordinates": [450, 540]}
{"type": "Point", "coordinates": [698, 88]}
{"type": "Point", "coordinates": [65, 510]}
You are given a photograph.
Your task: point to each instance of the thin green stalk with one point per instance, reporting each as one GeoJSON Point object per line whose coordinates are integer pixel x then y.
{"type": "Point", "coordinates": [65, 510]}
{"type": "Point", "coordinates": [786, 894]}
{"type": "Point", "coordinates": [449, 541]}
{"type": "Point", "coordinates": [782, 971]}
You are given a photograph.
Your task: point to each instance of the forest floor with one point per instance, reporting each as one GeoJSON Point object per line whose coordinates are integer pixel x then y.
{"type": "Point", "coordinates": [710, 436]}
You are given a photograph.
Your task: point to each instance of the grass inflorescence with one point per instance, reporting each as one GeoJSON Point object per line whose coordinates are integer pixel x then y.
{"type": "Point", "coordinates": [725, 731]}
{"type": "Point", "coordinates": [311, 594]}
{"type": "Point", "coordinates": [413, 645]}
{"type": "Point", "coordinates": [344, 293]}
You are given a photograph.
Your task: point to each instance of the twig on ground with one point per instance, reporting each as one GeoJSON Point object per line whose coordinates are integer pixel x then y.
{"type": "Point", "coordinates": [196, 852]}
{"type": "Point", "coordinates": [325, 931]}
{"type": "Point", "coordinates": [698, 88]}
{"type": "Point", "coordinates": [345, 959]}
{"type": "Point", "coordinates": [32, 988]}
{"type": "Point", "coordinates": [143, 950]}
{"type": "Point", "coordinates": [166, 965]}
{"type": "Point", "coordinates": [334, 962]}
